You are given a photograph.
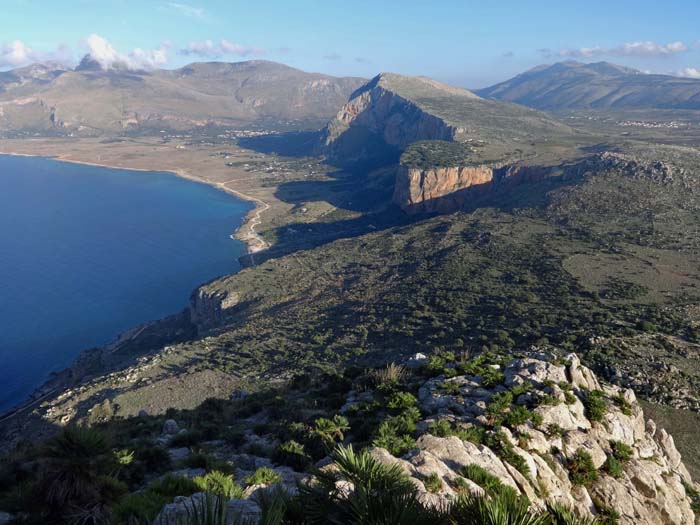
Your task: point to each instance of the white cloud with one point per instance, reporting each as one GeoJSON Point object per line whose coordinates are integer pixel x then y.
{"type": "Point", "coordinates": [108, 57]}
{"type": "Point", "coordinates": [211, 49]}
{"type": "Point", "coordinates": [186, 10]}
{"type": "Point", "coordinates": [690, 72]}
{"type": "Point", "coordinates": [637, 49]}
{"type": "Point", "coordinates": [17, 53]}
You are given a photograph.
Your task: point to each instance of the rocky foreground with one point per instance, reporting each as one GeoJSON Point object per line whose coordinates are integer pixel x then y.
{"type": "Point", "coordinates": [546, 428]}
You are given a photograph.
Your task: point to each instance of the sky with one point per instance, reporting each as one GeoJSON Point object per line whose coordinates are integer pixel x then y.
{"type": "Point", "coordinates": [463, 42]}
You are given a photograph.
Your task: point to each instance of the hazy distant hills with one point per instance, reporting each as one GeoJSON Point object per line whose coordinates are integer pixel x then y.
{"type": "Point", "coordinates": [394, 111]}
{"type": "Point", "coordinates": [601, 85]}
{"type": "Point", "coordinates": [90, 99]}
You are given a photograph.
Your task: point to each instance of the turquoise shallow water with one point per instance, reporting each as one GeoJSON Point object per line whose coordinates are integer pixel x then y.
{"type": "Point", "coordinates": [88, 252]}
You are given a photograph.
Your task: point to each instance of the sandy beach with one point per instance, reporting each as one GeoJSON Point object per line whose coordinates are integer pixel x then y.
{"type": "Point", "coordinates": [197, 163]}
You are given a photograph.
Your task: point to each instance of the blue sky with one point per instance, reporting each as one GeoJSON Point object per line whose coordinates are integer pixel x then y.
{"type": "Point", "coordinates": [463, 42]}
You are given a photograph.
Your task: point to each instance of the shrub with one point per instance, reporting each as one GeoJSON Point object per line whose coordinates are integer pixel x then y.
{"type": "Point", "coordinates": [487, 481]}
{"type": "Point", "coordinates": [207, 462]}
{"type": "Point", "coordinates": [613, 467]}
{"type": "Point", "coordinates": [503, 508]}
{"type": "Point", "coordinates": [186, 439]}
{"type": "Point", "coordinates": [694, 496]}
{"type": "Point", "coordinates": [606, 515]}
{"type": "Point", "coordinates": [292, 454]}
{"type": "Point", "coordinates": [490, 377]}
{"type": "Point", "coordinates": [144, 506]}
{"type": "Point", "coordinates": [382, 494]}
{"type": "Point", "coordinates": [152, 458]}
{"type": "Point", "coordinates": [263, 476]}
{"type": "Point", "coordinates": [623, 405]}
{"type": "Point", "coordinates": [554, 430]}
{"type": "Point", "coordinates": [219, 484]}
{"type": "Point", "coordinates": [330, 430]}
{"type": "Point", "coordinates": [517, 415]}
{"type": "Point", "coordinates": [504, 449]}
{"type": "Point", "coordinates": [595, 405]}
{"type": "Point", "coordinates": [388, 437]}
{"type": "Point", "coordinates": [401, 401]}
{"type": "Point", "coordinates": [234, 437]}
{"type": "Point", "coordinates": [433, 483]}
{"type": "Point", "coordinates": [621, 451]}
{"type": "Point", "coordinates": [450, 388]}
{"type": "Point", "coordinates": [388, 378]}
{"type": "Point", "coordinates": [582, 471]}
{"type": "Point", "coordinates": [440, 428]}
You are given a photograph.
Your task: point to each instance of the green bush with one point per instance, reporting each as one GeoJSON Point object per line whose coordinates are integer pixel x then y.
{"type": "Point", "coordinates": [595, 405]}
{"type": "Point", "coordinates": [330, 430]}
{"type": "Point", "coordinates": [207, 462]}
{"type": "Point", "coordinates": [504, 449]}
{"type": "Point", "coordinates": [613, 467]}
{"type": "Point", "coordinates": [621, 451]}
{"type": "Point", "coordinates": [491, 484]}
{"type": "Point", "coordinates": [623, 405]}
{"type": "Point", "coordinates": [292, 454]}
{"type": "Point", "coordinates": [582, 471]}
{"type": "Point", "coordinates": [219, 484]}
{"type": "Point", "coordinates": [433, 483]}
{"type": "Point", "coordinates": [263, 476]}
{"type": "Point", "coordinates": [144, 506]}
{"type": "Point", "coordinates": [388, 437]}
{"type": "Point", "coordinates": [401, 400]}
{"type": "Point", "coordinates": [606, 515]}
{"type": "Point", "coordinates": [491, 377]}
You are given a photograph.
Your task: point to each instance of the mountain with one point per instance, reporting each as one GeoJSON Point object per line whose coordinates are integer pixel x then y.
{"type": "Point", "coordinates": [392, 111]}
{"type": "Point", "coordinates": [600, 85]}
{"type": "Point", "coordinates": [90, 99]}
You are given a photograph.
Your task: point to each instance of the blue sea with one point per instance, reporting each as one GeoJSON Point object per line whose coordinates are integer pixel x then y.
{"type": "Point", "coordinates": [88, 252]}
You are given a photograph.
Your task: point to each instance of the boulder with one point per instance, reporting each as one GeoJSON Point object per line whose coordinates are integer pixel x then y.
{"type": "Point", "coordinates": [170, 427]}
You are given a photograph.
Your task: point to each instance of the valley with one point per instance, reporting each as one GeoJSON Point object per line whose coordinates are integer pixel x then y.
{"type": "Point", "coordinates": [422, 222]}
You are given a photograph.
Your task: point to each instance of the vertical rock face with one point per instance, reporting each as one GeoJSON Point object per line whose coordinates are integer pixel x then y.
{"type": "Point", "coordinates": [446, 189]}
{"type": "Point", "coordinates": [439, 189]}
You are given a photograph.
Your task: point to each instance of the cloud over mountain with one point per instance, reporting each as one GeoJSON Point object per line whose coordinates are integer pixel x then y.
{"type": "Point", "coordinates": [646, 48]}
{"type": "Point", "coordinates": [108, 57]}
{"type": "Point", "coordinates": [211, 49]}
{"type": "Point", "coordinates": [16, 53]}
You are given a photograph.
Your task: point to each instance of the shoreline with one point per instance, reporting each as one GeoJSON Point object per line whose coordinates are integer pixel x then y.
{"type": "Point", "coordinates": [253, 241]}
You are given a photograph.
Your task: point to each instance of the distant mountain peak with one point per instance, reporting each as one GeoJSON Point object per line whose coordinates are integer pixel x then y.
{"type": "Point", "coordinates": [88, 63]}
{"type": "Point", "coordinates": [595, 85]}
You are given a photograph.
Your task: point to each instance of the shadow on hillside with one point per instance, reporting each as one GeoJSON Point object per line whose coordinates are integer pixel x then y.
{"type": "Point", "coordinates": [287, 144]}
{"type": "Point", "coordinates": [363, 203]}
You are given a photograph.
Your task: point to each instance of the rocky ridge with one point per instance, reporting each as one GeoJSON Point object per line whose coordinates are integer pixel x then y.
{"type": "Point", "coordinates": [651, 489]}
{"type": "Point", "coordinates": [601, 459]}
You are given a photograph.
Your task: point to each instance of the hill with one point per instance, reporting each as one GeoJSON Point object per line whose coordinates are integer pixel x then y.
{"type": "Point", "coordinates": [600, 85]}
{"type": "Point", "coordinates": [392, 111]}
{"type": "Point", "coordinates": [91, 100]}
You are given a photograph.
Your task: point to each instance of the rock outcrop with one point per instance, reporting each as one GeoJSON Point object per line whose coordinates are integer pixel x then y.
{"type": "Point", "coordinates": [649, 488]}
{"type": "Point", "coordinates": [446, 189]}
{"type": "Point", "coordinates": [377, 113]}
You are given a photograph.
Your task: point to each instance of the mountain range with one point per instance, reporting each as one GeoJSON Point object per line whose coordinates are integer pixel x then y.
{"type": "Point", "coordinates": [600, 85]}
{"type": "Point", "coordinates": [90, 99]}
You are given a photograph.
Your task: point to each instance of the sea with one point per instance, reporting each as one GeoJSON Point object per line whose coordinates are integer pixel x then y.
{"type": "Point", "coordinates": [88, 252]}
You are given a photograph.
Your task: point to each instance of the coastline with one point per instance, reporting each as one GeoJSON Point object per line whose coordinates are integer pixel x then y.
{"type": "Point", "coordinates": [253, 241]}
{"type": "Point", "coordinates": [61, 379]}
